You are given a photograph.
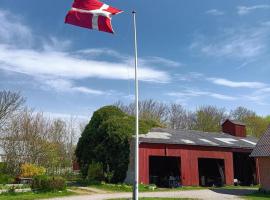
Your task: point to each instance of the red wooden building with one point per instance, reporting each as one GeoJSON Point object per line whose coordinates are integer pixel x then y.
{"type": "Point", "coordinates": [193, 158]}
{"type": "Point", "coordinates": [262, 153]}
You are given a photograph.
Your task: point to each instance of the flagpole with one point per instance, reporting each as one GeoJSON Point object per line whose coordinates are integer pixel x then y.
{"type": "Point", "coordinates": [136, 170]}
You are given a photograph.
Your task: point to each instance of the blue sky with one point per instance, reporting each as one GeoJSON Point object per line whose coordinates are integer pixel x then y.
{"type": "Point", "coordinates": [191, 52]}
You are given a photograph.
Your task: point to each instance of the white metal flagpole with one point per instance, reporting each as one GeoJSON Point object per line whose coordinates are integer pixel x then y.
{"type": "Point", "coordinates": [136, 167]}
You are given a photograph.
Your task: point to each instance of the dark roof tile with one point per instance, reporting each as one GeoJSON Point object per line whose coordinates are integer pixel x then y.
{"type": "Point", "coordinates": [199, 138]}
{"type": "Point", "coordinates": [262, 148]}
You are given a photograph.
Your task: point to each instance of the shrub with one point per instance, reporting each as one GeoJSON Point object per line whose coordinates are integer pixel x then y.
{"type": "Point", "coordinates": [6, 179]}
{"type": "Point", "coordinates": [46, 183]}
{"type": "Point", "coordinates": [95, 172]}
{"type": "Point", "coordinates": [30, 170]}
{"type": "Point", "coordinates": [3, 168]}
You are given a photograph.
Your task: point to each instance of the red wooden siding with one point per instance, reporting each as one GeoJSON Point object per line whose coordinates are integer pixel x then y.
{"type": "Point", "coordinates": [234, 129]}
{"type": "Point", "coordinates": [189, 160]}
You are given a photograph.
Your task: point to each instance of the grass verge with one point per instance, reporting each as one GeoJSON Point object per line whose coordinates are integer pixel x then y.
{"type": "Point", "coordinates": [33, 195]}
{"type": "Point", "coordinates": [158, 199]}
{"type": "Point", "coordinates": [142, 188]}
{"type": "Point", "coordinates": [151, 188]}
{"type": "Point", "coordinates": [258, 196]}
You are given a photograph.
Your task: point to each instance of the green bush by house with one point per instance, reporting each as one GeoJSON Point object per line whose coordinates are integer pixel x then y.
{"type": "Point", "coordinates": [46, 183]}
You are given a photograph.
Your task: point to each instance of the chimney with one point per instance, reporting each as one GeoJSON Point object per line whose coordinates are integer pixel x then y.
{"type": "Point", "coordinates": [235, 128]}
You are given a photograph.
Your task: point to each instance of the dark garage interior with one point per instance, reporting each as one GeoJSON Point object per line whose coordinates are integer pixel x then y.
{"type": "Point", "coordinates": [164, 171]}
{"type": "Point", "coordinates": [211, 172]}
{"type": "Point", "coordinates": [244, 169]}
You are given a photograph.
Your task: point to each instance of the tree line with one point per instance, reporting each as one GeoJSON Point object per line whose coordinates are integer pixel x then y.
{"type": "Point", "coordinates": [205, 118]}
{"type": "Point", "coordinates": [28, 136]}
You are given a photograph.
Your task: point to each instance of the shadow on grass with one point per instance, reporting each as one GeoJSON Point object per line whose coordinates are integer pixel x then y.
{"type": "Point", "coordinates": [236, 192]}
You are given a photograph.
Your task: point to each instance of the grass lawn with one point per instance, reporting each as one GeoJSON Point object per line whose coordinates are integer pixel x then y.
{"type": "Point", "coordinates": [147, 188]}
{"type": "Point", "coordinates": [31, 195]}
{"type": "Point", "coordinates": [258, 196]}
{"type": "Point", "coordinates": [142, 188]}
{"type": "Point", "coordinates": [158, 199]}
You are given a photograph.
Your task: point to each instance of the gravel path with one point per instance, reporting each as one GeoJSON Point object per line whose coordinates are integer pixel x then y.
{"type": "Point", "coordinates": [219, 194]}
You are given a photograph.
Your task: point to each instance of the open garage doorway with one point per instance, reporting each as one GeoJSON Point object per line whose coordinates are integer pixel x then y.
{"type": "Point", "coordinates": [211, 172]}
{"type": "Point", "coordinates": [244, 169]}
{"type": "Point", "coordinates": [164, 171]}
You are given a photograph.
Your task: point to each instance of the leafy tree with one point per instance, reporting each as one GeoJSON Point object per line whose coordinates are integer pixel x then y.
{"type": "Point", "coordinates": [106, 139]}
{"type": "Point", "coordinates": [267, 118]}
{"type": "Point", "coordinates": [10, 103]}
{"type": "Point", "coordinates": [209, 118]}
{"type": "Point", "coordinates": [241, 113]}
{"type": "Point", "coordinates": [148, 109]}
{"type": "Point", "coordinates": [180, 118]}
{"type": "Point", "coordinates": [256, 125]}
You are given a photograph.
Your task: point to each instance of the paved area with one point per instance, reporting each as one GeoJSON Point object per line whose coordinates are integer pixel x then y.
{"type": "Point", "coordinates": [219, 194]}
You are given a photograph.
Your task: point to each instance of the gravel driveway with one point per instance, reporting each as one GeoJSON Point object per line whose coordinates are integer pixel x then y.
{"type": "Point", "coordinates": [218, 194]}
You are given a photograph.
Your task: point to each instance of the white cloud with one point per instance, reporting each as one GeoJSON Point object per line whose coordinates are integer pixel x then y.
{"type": "Point", "coordinates": [96, 52]}
{"type": "Point", "coordinates": [197, 93]}
{"type": "Point", "coordinates": [265, 23]}
{"type": "Point", "coordinates": [215, 12]}
{"type": "Point", "coordinates": [59, 67]}
{"type": "Point", "coordinates": [159, 61]}
{"type": "Point", "coordinates": [54, 44]}
{"type": "Point", "coordinates": [13, 31]}
{"type": "Point", "coordinates": [191, 76]}
{"type": "Point", "coordinates": [260, 96]}
{"type": "Point", "coordinates": [66, 117]}
{"type": "Point", "coordinates": [240, 43]}
{"type": "Point", "coordinates": [65, 65]}
{"type": "Point", "coordinates": [235, 84]}
{"type": "Point", "coordinates": [244, 10]}
{"type": "Point", "coordinates": [68, 86]}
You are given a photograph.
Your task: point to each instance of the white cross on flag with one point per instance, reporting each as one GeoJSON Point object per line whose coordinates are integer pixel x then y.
{"type": "Point", "coordinates": [92, 14]}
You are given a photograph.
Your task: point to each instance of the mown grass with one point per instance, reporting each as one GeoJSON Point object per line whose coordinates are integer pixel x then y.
{"type": "Point", "coordinates": [142, 188]}
{"type": "Point", "coordinates": [159, 199]}
{"type": "Point", "coordinates": [258, 196]}
{"type": "Point", "coordinates": [149, 188]}
{"type": "Point", "coordinates": [33, 195]}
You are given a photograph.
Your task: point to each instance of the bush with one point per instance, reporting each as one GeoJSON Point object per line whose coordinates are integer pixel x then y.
{"type": "Point", "coordinates": [6, 179]}
{"type": "Point", "coordinates": [30, 170]}
{"type": "Point", "coordinates": [3, 168]}
{"type": "Point", "coordinates": [46, 183]}
{"type": "Point", "coordinates": [95, 172]}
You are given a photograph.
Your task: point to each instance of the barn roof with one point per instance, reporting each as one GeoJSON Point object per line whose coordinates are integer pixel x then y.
{"type": "Point", "coordinates": [262, 148]}
{"type": "Point", "coordinates": [198, 138]}
{"type": "Point", "coordinates": [235, 122]}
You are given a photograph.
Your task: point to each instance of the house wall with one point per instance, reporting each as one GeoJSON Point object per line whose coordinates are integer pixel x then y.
{"type": "Point", "coordinates": [234, 129]}
{"type": "Point", "coordinates": [189, 160]}
{"type": "Point", "coordinates": [264, 169]}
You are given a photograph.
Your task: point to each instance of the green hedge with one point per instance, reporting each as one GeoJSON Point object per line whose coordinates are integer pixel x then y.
{"type": "Point", "coordinates": [6, 179]}
{"type": "Point", "coordinates": [46, 183]}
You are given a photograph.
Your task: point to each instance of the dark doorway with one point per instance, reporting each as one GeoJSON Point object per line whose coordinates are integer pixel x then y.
{"type": "Point", "coordinates": [211, 172]}
{"type": "Point", "coordinates": [244, 169]}
{"type": "Point", "coordinates": [164, 171]}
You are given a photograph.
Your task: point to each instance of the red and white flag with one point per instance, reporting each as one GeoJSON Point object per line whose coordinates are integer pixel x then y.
{"type": "Point", "coordinates": [92, 14]}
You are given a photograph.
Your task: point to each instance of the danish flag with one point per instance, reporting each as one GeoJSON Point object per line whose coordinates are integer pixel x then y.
{"type": "Point", "coordinates": [92, 14]}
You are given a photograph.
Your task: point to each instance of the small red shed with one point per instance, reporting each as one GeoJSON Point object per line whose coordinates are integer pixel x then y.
{"type": "Point", "coordinates": [193, 158]}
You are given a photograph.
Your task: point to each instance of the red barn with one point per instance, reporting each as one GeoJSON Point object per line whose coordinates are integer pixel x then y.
{"type": "Point", "coordinates": [194, 158]}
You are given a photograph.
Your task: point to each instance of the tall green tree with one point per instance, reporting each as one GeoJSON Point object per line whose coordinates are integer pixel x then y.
{"type": "Point", "coordinates": [209, 118]}
{"type": "Point", "coordinates": [106, 139]}
{"type": "Point", "coordinates": [256, 125]}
